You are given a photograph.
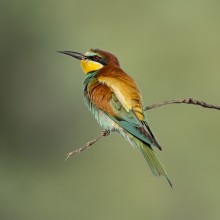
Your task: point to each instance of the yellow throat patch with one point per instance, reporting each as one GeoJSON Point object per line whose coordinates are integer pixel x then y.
{"type": "Point", "coordinates": [90, 66]}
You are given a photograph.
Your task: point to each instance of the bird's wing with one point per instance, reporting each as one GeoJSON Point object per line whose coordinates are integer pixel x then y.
{"type": "Point", "coordinates": [105, 98]}
{"type": "Point", "coordinates": [130, 122]}
{"type": "Point", "coordinates": [120, 98]}
{"type": "Point", "coordinates": [126, 91]}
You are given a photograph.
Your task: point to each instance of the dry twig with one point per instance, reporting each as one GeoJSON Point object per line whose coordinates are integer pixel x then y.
{"type": "Point", "coordinates": [185, 101]}
{"type": "Point", "coordinates": [177, 101]}
{"type": "Point", "coordinates": [104, 133]}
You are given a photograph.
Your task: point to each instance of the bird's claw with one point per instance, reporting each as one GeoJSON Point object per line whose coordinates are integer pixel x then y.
{"type": "Point", "coordinates": [105, 133]}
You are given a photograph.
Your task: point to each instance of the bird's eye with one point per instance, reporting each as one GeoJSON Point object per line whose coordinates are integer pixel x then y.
{"type": "Point", "coordinates": [96, 58]}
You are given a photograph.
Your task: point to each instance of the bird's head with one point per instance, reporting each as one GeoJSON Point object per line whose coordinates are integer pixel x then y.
{"type": "Point", "coordinates": [93, 60]}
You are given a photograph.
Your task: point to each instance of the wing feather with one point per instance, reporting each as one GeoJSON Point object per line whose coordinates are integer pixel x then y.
{"type": "Point", "coordinates": [118, 96]}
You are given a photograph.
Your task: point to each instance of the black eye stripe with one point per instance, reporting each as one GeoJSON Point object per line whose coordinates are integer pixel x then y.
{"type": "Point", "coordinates": [98, 59]}
{"type": "Point", "coordinates": [95, 58]}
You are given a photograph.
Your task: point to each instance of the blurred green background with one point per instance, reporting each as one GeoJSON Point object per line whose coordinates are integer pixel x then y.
{"type": "Point", "coordinates": [171, 48]}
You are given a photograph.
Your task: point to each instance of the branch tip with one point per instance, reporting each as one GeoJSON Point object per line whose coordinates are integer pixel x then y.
{"type": "Point", "coordinates": [104, 133]}
{"type": "Point", "coordinates": [185, 101]}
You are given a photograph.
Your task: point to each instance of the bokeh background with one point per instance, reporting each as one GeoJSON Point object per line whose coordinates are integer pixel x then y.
{"type": "Point", "coordinates": [171, 48]}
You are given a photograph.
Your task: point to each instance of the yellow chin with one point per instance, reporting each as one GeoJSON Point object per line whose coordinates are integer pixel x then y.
{"type": "Point", "coordinates": [90, 66]}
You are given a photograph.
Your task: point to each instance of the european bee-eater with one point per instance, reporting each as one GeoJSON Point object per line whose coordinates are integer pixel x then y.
{"type": "Point", "coordinates": [115, 100]}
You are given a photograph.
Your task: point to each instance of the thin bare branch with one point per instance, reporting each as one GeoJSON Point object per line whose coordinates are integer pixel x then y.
{"type": "Point", "coordinates": [186, 101]}
{"type": "Point", "coordinates": [104, 133]}
{"type": "Point", "coordinates": [177, 101]}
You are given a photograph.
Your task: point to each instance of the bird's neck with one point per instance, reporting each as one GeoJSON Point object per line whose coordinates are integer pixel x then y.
{"type": "Point", "coordinates": [89, 78]}
{"type": "Point", "coordinates": [91, 74]}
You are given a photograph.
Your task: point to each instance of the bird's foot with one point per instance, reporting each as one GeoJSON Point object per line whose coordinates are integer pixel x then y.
{"type": "Point", "coordinates": [105, 133]}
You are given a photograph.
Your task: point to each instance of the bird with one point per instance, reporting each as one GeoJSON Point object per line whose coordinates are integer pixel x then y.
{"type": "Point", "coordinates": [116, 102]}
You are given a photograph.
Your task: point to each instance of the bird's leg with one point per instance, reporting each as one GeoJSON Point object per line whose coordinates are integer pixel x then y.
{"type": "Point", "coordinates": [104, 133]}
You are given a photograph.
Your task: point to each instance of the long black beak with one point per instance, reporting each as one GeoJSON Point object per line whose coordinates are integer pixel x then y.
{"type": "Point", "coordinates": [77, 55]}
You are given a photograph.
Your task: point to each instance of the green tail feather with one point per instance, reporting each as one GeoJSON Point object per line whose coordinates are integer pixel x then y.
{"type": "Point", "coordinates": [151, 159]}
{"type": "Point", "coordinates": [153, 162]}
